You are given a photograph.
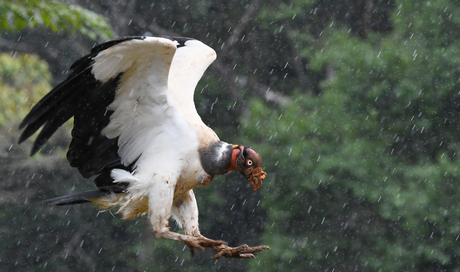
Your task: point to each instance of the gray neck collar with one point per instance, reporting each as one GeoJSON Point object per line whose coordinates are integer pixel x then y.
{"type": "Point", "coordinates": [216, 158]}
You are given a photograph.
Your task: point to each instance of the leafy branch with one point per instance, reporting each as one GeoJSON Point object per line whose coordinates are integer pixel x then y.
{"type": "Point", "coordinates": [16, 16]}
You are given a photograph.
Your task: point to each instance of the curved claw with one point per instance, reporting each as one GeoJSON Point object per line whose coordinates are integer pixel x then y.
{"type": "Point", "coordinates": [243, 251]}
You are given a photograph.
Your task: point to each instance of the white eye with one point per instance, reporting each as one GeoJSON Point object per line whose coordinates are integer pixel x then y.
{"type": "Point", "coordinates": [249, 162]}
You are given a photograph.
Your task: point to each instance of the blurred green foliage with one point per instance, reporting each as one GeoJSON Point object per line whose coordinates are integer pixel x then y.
{"type": "Point", "coordinates": [383, 131]}
{"type": "Point", "coordinates": [24, 80]}
{"type": "Point", "coordinates": [56, 16]}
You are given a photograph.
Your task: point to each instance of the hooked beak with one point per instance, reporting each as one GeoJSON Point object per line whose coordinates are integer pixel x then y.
{"type": "Point", "coordinates": [256, 178]}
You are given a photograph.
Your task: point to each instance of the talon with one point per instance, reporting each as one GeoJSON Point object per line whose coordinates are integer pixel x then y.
{"type": "Point", "coordinates": [248, 255]}
{"type": "Point", "coordinates": [218, 255]}
{"type": "Point", "coordinates": [243, 251]}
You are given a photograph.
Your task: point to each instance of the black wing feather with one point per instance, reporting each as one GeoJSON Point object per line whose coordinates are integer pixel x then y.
{"type": "Point", "coordinates": [88, 149]}
{"type": "Point", "coordinates": [51, 101]}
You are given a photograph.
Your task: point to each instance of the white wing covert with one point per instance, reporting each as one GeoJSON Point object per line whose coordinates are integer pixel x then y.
{"type": "Point", "coordinates": [142, 107]}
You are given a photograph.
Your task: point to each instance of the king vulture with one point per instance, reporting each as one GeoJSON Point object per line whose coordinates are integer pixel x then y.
{"type": "Point", "coordinates": [137, 131]}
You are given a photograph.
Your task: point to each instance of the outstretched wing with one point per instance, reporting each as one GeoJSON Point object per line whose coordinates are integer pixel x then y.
{"type": "Point", "coordinates": [190, 61]}
{"type": "Point", "coordinates": [120, 101]}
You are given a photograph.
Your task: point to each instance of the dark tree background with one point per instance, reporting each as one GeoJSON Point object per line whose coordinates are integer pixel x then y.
{"type": "Point", "coordinates": [354, 106]}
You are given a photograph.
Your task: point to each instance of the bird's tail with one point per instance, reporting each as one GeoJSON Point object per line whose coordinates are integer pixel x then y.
{"type": "Point", "coordinates": [89, 196]}
{"type": "Point", "coordinates": [77, 198]}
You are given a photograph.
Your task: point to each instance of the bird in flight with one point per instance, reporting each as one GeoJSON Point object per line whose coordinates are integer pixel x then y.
{"type": "Point", "coordinates": [136, 129]}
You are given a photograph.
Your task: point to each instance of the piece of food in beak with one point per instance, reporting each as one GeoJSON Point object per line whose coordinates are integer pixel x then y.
{"type": "Point", "coordinates": [256, 178]}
